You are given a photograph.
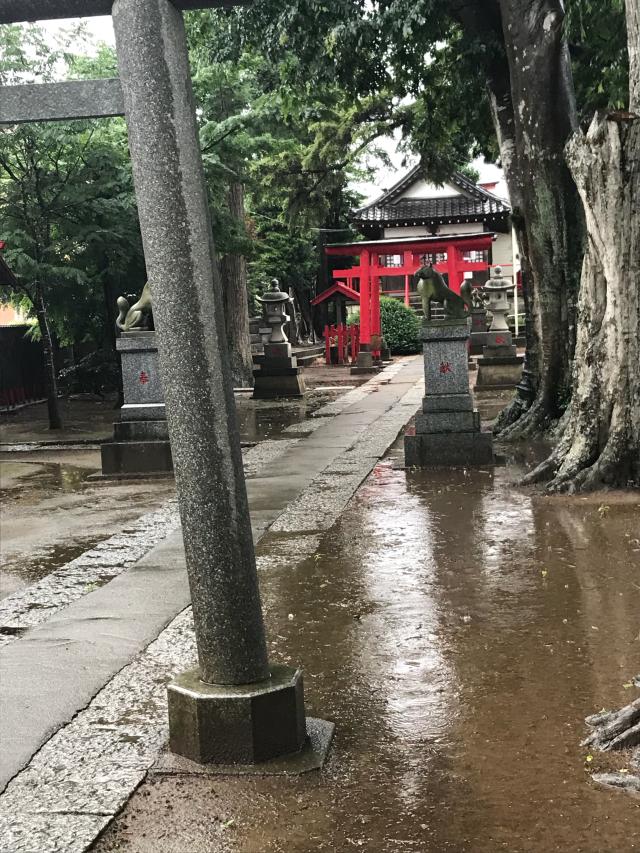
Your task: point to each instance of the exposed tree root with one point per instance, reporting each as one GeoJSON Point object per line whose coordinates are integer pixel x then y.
{"type": "Point", "coordinates": [533, 421]}
{"type": "Point", "coordinates": [510, 414]}
{"type": "Point", "coordinates": [617, 730]}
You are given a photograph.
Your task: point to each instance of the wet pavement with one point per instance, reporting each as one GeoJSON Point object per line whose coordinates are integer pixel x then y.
{"type": "Point", "coordinates": [458, 631]}
{"type": "Point", "coordinates": [51, 512]}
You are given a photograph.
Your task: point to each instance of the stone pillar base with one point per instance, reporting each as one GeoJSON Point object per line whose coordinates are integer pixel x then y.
{"type": "Point", "coordinates": [270, 383]}
{"type": "Point", "coordinates": [499, 372]}
{"type": "Point", "coordinates": [129, 457]}
{"type": "Point", "coordinates": [364, 362]}
{"type": "Point", "coordinates": [436, 450]}
{"type": "Point", "coordinates": [237, 724]}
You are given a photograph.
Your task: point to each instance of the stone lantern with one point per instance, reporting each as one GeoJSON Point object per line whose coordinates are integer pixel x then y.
{"type": "Point", "coordinates": [498, 289]}
{"type": "Point", "coordinates": [274, 309]}
{"type": "Point", "coordinates": [500, 365]}
{"type": "Point", "coordinates": [277, 374]}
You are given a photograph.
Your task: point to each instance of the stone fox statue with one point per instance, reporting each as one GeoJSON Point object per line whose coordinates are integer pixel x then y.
{"type": "Point", "coordinates": [431, 286]}
{"type": "Point", "coordinates": [139, 316]}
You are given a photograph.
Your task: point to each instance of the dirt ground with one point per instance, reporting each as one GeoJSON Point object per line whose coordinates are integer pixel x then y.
{"type": "Point", "coordinates": [458, 631]}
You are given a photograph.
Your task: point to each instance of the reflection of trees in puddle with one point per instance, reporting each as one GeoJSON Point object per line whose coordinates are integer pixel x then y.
{"type": "Point", "coordinates": [260, 419]}
{"type": "Point", "coordinates": [47, 476]}
{"type": "Point", "coordinates": [594, 547]}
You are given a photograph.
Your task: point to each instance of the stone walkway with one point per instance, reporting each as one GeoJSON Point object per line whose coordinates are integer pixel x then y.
{"type": "Point", "coordinates": [72, 761]}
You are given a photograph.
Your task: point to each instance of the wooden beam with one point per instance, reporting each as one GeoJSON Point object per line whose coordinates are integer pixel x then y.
{"type": "Point", "coordinates": [16, 11]}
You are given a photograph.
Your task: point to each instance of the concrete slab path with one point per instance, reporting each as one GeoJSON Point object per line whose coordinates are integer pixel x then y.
{"type": "Point", "coordinates": [55, 669]}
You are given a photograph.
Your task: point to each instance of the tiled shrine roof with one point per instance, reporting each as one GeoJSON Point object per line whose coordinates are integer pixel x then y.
{"type": "Point", "coordinates": [472, 204]}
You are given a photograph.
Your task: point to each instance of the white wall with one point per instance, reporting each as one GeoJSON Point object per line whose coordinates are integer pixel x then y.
{"type": "Point", "coordinates": [421, 230]}
{"type": "Point", "coordinates": [423, 189]}
{"type": "Point", "coordinates": [502, 254]}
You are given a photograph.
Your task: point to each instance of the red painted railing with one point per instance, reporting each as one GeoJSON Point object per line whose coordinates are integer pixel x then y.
{"type": "Point", "coordinates": [341, 344]}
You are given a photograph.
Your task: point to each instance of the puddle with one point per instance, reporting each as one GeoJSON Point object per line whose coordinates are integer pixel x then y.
{"type": "Point", "coordinates": [18, 572]}
{"type": "Point", "coordinates": [30, 481]}
{"type": "Point", "coordinates": [458, 631]}
{"type": "Point", "coordinates": [262, 419]}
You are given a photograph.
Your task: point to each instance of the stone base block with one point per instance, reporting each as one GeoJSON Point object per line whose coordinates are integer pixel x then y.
{"type": "Point", "coordinates": [136, 457]}
{"type": "Point", "coordinates": [154, 430]}
{"type": "Point", "coordinates": [143, 412]}
{"type": "Point", "coordinates": [498, 373]}
{"type": "Point", "coordinates": [499, 338]}
{"type": "Point", "coordinates": [447, 422]}
{"type": "Point", "coordinates": [364, 363]}
{"type": "Point", "coordinates": [447, 403]}
{"type": "Point", "coordinates": [448, 449]}
{"type": "Point", "coordinates": [477, 342]}
{"type": "Point", "coordinates": [361, 371]}
{"type": "Point", "coordinates": [280, 383]}
{"type": "Point", "coordinates": [312, 756]}
{"type": "Point", "coordinates": [499, 352]}
{"type": "Point", "coordinates": [271, 365]}
{"type": "Point", "coordinates": [237, 724]}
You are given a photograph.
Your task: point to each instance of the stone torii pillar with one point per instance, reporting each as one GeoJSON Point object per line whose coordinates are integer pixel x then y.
{"type": "Point", "coordinates": [236, 708]}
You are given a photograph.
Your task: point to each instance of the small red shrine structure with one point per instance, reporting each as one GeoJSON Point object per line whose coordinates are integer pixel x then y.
{"type": "Point", "coordinates": [452, 255]}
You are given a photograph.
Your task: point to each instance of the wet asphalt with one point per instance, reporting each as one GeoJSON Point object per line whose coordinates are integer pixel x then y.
{"type": "Point", "coordinates": [457, 630]}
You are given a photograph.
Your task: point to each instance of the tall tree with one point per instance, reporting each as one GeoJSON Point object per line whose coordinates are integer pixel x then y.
{"type": "Point", "coordinates": [599, 442]}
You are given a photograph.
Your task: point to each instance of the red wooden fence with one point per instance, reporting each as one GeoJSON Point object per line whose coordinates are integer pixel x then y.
{"type": "Point", "coordinates": [345, 339]}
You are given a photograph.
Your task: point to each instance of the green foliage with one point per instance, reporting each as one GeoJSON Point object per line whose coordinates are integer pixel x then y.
{"type": "Point", "coordinates": [97, 373]}
{"type": "Point", "coordinates": [597, 36]}
{"type": "Point", "coordinates": [400, 325]}
{"type": "Point", "coordinates": [67, 208]}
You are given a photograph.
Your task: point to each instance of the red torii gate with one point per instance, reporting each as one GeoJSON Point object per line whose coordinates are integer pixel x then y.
{"type": "Point", "coordinates": [364, 279]}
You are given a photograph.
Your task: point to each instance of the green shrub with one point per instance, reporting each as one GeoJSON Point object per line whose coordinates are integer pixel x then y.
{"type": "Point", "coordinates": [400, 325]}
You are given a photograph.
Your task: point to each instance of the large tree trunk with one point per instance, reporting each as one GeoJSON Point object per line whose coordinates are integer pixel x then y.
{"type": "Point", "coordinates": [600, 442]}
{"type": "Point", "coordinates": [528, 76]}
{"type": "Point", "coordinates": [545, 198]}
{"type": "Point", "coordinates": [233, 271]}
{"type": "Point", "coordinates": [51, 383]}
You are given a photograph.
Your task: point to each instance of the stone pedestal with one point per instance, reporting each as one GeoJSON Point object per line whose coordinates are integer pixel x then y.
{"type": "Point", "coordinates": [141, 439]}
{"type": "Point", "coordinates": [448, 427]}
{"type": "Point", "coordinates": [478, 330]}
{"type": "Point", "coordinates": [237, 724]}
{"type": "Point", "coordinates": [364, 361]}
{"type": "Point", "coordinates": [500, 365]}
{"type": "Point", "coordinates": [277, 374]}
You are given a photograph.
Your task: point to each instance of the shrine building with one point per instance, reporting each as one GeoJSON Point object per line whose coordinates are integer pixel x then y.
{"type": "Point", "coordinates": [462, 228]}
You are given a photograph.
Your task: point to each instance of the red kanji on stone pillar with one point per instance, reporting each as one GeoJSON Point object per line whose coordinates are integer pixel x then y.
{"type": "Point", "coordinates": [144, 377]}
{"type": "Point", "coordinates": [445, 367]}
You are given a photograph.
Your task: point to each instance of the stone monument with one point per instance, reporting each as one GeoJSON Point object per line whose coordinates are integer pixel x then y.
{"type": "Point", "coordinates": [447, 428]}
{"type": "Point", "coordinates": [141, 437]}
{"type": "Point", "coordinates": [500, 365]}
{"type": "Point", "coordinates": [277, 373]}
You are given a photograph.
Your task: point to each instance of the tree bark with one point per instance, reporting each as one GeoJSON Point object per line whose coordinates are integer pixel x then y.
{"type": "Point", "coordinates": [51, 382]}
{"type": "Point", "coordinates": [600, 442]}
{"type": "Point", "coordinates": [528, 76]}
{"type": "Point", "coordinates": [545, 198]}
{"type": "Point", "coordinates": [233, 271]}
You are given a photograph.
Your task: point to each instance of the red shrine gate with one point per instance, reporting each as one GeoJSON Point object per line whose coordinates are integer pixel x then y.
{"type": "Point", "coordinates": [451, 255]}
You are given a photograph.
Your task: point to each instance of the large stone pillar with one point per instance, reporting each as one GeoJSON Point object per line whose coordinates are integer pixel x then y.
{"type": "Point", "coordinates": [231, 709]}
